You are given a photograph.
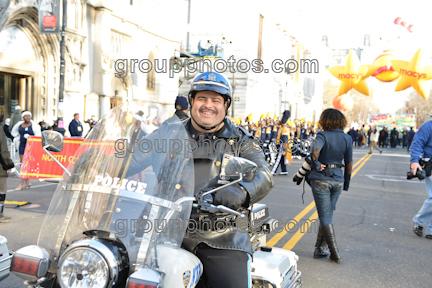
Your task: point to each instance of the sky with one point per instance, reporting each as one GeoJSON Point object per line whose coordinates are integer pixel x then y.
{"type": "Point", "coordinates": [344, 21]}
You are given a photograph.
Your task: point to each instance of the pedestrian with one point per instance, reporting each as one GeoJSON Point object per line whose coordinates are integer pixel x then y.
{"type": "Point", "coordinates": [92, 124]}
{"type": "Point", "coordinates": [16, 116]}
{"type": "Point", "coordinates": [405, 138]}
{"type": "Point", "coordinates": [24, 129]}
{"type": "Point", "coordinates": [374, 138]}
{"type": "Point", "coordinates": [43, 125]}
{"type": "Point", "coordinates": [411, 135]}
{"type": "Point", "coordinates": [369, 133]}
{"type": "Point", "coordinates": [386, 137]}
{"type": "Point", "coordinates": [353, 135]}
{"type": "Point", "coordinates": [361, 135]}
{"type": "Point", "coordinates": [75, 126]}
{"type": "Point", "coordinates": [330, 148]}
{"type": "Point", "coordinates": [422, 143]}
{"type": "Point", "coordinates": [6, 129]}
{"type": "Point", "coordinates": [381, 138]}
{"type": "Point", "coordinates": [50, 128]}
{"type": "Point", "coordinates": [6, 164]}
{"type": "Point", "coordinates": [282, 137]}
{"type": "Point", "coordinates": [181, 106]}
{"type": "Point", "coordinates": [393, 137]}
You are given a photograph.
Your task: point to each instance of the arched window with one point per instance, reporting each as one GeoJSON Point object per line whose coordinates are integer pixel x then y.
{"type": "Point", "coordinates": [151, 76]}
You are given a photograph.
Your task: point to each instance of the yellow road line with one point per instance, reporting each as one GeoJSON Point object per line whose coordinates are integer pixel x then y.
{"type": "Point", "coordinates": [361, 165]}
{"type": "Point", "coordinates": [20, 203]}
{"type": "Point", "coordinates": [359, 161]}
{"type": "Point", "coordinates": [299, 234]}
{"type": "Point", "coordinates": [281, 234]}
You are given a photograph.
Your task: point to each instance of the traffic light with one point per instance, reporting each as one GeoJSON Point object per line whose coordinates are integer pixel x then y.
{"type": "Point", "coordinates": [175, 63]}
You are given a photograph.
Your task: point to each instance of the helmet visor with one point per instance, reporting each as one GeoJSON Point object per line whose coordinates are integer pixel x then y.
{"type": "Point", "coordinates": [211, 86]}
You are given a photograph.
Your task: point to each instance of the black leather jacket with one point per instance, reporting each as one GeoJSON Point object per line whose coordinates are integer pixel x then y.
{"type": "Point", "coordinates": [207, 167]}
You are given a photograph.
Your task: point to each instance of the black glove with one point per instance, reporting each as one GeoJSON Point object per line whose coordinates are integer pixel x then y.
{"type": "Point", "coordinates": [233, 196]}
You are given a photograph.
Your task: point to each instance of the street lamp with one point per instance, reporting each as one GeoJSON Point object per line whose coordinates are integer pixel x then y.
{"type": "Point", "coordinates": [60, 122]}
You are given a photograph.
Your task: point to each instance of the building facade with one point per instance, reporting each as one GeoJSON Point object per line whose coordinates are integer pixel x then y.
{"type": "Point", "coordinates": [258, 36]}
{"type": "Point", "coordinates": [99, 34]}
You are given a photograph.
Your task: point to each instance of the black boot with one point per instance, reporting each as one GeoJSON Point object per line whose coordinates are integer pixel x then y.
{"type": "Point", "coordinates": [329, 237]}
{"type": "Point", "coordinates": [320, 246]}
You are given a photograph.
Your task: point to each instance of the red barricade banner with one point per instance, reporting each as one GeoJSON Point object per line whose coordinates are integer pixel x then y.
{"type": "Point", "coordinates": [38, 164]}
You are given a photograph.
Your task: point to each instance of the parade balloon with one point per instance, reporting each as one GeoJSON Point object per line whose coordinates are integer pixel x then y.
{"type": "Point", "coordinates": [347, 103]}
{"type": "Point", "coordinates": [410, 28]}
{"type": "Point", "coordinates": [336, 102]}
{"type": "Point", "coordinates": [352, 75]}
{"type": "Point", "coordinates": [404, 24]}
{"type": "Point", "coordinates": [343, 102]}
{"type": "Point", "coordinates": [397, 20]}
{"type": "Point", "coordinates": [385, 72]}
{"type": "Point", "coordinates": [412, 75]}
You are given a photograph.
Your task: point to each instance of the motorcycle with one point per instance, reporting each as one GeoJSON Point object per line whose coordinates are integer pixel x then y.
{"type": "Point", "coordinates": [115, 221]}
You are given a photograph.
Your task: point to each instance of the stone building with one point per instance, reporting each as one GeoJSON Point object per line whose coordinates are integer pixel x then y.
{"type": "Point", "coordinates": [98, 33]}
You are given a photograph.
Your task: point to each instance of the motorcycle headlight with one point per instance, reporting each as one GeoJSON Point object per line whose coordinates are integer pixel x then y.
{"type": "Point", "coordinates": [83, 267]}
{"type": "Point", "coordinates": [90, 263]}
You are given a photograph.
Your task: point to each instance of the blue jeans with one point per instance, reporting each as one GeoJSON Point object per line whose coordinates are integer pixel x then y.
{"type": "Point", "coordinates": [425, 213]}
{"type": "Point", "coordinates": [326, 194]}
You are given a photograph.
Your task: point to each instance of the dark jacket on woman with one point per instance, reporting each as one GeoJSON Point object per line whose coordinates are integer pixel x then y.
{"type": "Point", "coordinates": [331, 147]}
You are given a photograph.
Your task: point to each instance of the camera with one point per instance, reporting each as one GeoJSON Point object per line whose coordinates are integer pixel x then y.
{"type": "Point", "coordinates": [426, 166]}
{"type": "Point", "coordinates": [419, 174]}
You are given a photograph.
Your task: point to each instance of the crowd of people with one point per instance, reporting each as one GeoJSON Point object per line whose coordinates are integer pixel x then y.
{"type": "Point", "coordinates": [393, 138]}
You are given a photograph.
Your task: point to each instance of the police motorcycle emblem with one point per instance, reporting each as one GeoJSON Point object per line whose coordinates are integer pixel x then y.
{"type": "Point", "coordinates": [186, 278]}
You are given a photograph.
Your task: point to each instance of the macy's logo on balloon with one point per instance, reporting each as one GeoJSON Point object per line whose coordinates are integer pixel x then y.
{"type": "Point", "coordinates": [413, 74]}
{"type": "Point", "coordinates": [350, 76]}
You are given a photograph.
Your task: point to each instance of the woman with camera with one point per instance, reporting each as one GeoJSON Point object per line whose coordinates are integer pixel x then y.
{"type": "Point", "coordinates": [330, 147]}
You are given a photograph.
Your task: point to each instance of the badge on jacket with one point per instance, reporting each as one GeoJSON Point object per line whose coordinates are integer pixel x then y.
{"type": "Point", "coordinates": [223, 178]}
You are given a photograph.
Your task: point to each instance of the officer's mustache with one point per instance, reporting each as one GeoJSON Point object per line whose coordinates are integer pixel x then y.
{"type": "Point", "coordinates": [207, 110]}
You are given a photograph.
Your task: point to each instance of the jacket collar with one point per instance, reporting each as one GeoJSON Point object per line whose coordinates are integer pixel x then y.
{"type": "Point", "coordinates": [229, 130]}
{"type": "Point", "coordinates": [335, 130]}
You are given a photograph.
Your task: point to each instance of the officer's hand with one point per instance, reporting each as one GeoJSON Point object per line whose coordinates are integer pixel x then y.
{"type": "Point", "coordinates": [414, 167]}
{"type": "Point", "coordinates": [232, 196]}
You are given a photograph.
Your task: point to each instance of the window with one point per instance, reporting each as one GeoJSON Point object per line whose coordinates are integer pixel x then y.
{"type": "Point", "coordinates": [151, 76]}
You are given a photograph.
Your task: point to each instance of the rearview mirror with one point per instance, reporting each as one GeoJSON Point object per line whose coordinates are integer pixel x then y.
{"type": "Point", "coordinates": [52, 141]}
{"type": "Point", "coordinates": [238, 165]}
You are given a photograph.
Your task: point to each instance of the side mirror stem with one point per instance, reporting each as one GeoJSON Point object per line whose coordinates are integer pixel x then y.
{"type": "Point", "coordinates": [223, 186]}
{"type": "Point", "coordinates": [52, 157]}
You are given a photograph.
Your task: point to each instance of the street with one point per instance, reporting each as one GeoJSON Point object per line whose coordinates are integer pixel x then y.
{"type": "Point", "coordinates": [373, 224]}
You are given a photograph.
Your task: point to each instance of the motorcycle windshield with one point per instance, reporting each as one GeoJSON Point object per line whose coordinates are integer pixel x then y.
{"type": "Point", "coordinates": [128, 183]}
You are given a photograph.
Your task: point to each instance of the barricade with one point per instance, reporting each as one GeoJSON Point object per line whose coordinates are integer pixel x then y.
{"type": "Point", "coordinates": [38, 164]}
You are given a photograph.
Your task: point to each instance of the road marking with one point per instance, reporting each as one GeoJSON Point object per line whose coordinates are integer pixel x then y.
{"type": "Point", "coordinates": [37, 186]}
{"type": "Point", "coordinates": [19, 203]}
{"type": "Point", "coordinates": [281, 234]}
{"type": "Point", "coordinates": [359, 161]}
{"type": "Point", "coordinates": [298, 235]}
{"type": "Point", "coordinates": [386, 178]}
{"type": "Point", "coordinates": [361, 165]}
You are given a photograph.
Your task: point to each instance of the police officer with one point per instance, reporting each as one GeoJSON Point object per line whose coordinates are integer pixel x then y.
{"type": "Point", "coordinates": [225, 255]}
{"type": "Point", "coordinates": [75, 126]}
{"type": "Point", "coordinates": [181, 106]}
